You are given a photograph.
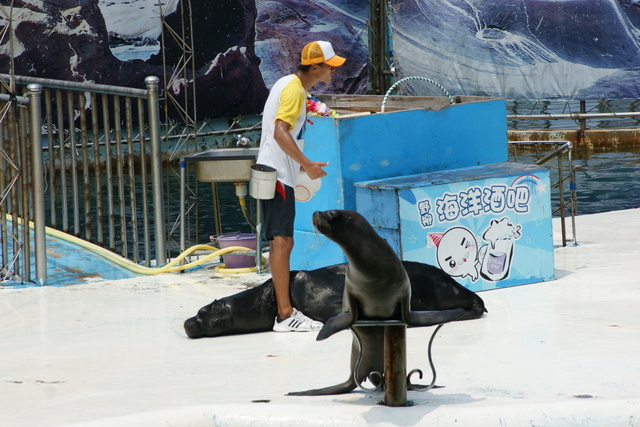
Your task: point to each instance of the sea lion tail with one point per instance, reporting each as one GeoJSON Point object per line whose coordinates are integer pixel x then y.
{"type": "Point", "coordinates": [430, 318]}
{"type": "Point", "coordinates": [335, 324]}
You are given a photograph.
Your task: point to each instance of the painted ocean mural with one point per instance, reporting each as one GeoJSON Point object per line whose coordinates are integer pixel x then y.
{"type": "Point", "coordinates": [536, 49]}
{"type": "Point", "coordinates": [240, 46]}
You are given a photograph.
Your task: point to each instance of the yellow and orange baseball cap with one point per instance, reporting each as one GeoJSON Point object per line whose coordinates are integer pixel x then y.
{"type": "Point", "coordinates": [320, 51]}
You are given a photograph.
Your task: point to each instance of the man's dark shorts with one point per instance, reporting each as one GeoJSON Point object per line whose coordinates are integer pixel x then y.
{"type": "Point", "coordinates": [278, 213]}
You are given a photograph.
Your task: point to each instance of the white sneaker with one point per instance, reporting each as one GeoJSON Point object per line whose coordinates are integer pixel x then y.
{"type": "Point", "coordinates": [297, 322]}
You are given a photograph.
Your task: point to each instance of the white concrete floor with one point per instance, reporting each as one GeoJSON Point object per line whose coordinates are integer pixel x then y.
{"type": "Point", "coordinates": [560, 353]}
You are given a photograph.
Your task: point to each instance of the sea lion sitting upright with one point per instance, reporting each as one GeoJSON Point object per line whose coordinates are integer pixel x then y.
{"type": "Point", "coordinates": [376, 287]}
{"type": "Point", "coordinates": [376, 284]}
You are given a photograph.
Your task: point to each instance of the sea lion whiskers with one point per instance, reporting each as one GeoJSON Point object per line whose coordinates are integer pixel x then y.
{"type": "Point", "coordinates": [322, 224]}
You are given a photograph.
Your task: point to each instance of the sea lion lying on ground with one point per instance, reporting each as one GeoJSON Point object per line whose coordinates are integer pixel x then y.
{"type": "Point", "coordinates": [318, 293]}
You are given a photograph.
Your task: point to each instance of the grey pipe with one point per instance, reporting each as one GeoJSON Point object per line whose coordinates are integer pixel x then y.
{"type": "Point", "coordinates": [84, 86]}
{"type": "Point", "coordinates": [39, 230]}
{"type": "Point", "coordinates": [21, 100]}
{"type": "Point", "coordinates": [156, 169]}
{"type": "Point", "coordinates": [556, 153]}
{"type": "Point", "coordinates": [183, 203]}
{"type": "Point", "coordinates": [572, 116]}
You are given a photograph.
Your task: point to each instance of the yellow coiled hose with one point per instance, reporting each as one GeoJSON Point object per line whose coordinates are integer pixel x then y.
{"type": "Point", "coordinates": [168, 268]}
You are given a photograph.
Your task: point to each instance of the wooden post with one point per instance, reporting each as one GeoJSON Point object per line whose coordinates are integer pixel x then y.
{"type": "Point", "coordinates": [395, 365]}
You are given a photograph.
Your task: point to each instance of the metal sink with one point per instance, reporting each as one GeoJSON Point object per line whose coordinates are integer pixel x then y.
{"type": "Point", "coordinates": [223, 164]}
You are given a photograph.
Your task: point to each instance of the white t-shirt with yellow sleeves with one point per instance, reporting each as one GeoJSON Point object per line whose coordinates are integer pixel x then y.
{"type": "Point", "coordinates": [287, 102]}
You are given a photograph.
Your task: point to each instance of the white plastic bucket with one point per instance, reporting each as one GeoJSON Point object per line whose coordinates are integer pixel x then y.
{"type": "Point", "coordinates": [245, 240]}
{"type": "Point", "coordinates": [262, 183]}
{"type": "Point", "coordinates": [306, 187]}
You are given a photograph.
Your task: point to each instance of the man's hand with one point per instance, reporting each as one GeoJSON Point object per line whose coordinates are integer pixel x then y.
{"type": "Point", "coordinates": [314, 169]}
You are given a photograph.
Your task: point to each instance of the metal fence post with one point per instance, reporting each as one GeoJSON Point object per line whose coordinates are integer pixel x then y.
{"type": "Point", "coordinates": [37, 175]}
{"type": "Point", "coordinates": [156, 169]}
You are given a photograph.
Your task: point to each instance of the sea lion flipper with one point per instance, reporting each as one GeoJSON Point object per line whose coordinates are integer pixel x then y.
{"type": "Point", "coordinates": [344, 387]}
{"type": "Point", "coordinates": [430, 318]}
{"type": "Point", "coordinates": [335, 324]}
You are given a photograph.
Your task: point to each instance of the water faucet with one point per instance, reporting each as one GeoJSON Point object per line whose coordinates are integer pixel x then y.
{"type": "Point", "coordinates": [243, 141]}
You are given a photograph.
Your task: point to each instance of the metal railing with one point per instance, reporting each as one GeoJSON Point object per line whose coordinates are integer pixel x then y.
{"type": "Point", "coordinates": [96, 149]}
{"type": "Point", "coordinates": [566, 177]}
{"type": "Point", "coordinates": [18, 188]}
{"type": "Point", "coordinates": [600, 110]}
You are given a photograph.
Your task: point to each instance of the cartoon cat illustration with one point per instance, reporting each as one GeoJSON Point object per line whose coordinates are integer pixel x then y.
{"type": "Point", "coordinates": [457, 252]}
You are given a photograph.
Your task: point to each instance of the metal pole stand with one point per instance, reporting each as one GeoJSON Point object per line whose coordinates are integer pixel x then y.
{"type": "Point", "coordinates": [262, 186]}
{"type": "Point", "coordinates": [394, 379]}
{"type": "Point", "coordinates": [395, 365]}
{"type": "Point", "coordinates": [258, 238]}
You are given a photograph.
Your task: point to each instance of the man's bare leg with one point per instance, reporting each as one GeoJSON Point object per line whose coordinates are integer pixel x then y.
{"type": "Point", "coordinates": [280, 251]}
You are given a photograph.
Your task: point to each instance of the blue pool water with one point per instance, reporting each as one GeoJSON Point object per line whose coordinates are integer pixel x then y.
{"type": "Point", "coordinates": [606, 181]}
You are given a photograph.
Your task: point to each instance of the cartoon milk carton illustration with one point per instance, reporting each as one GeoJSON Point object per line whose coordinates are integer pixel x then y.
{"type": "Point", "coordinates": [498, 253]}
